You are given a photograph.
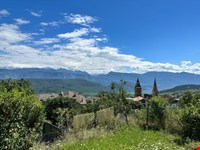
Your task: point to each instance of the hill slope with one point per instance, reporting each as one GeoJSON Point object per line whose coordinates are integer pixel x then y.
{"type": "Point", "coordinates": [84, 87]}
{"type": "Point", "coordinates": [182, 88]}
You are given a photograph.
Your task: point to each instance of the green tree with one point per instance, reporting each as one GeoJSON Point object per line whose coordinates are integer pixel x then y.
{"type": "Point", "coordinates": [117, 98]}
{"type": "Point", "coordinates": [21, 115]}
{"type": "Point", "coordinates": [186, 99]}
{"type": "Point", "coordinates": [60, 111]}
{"type": "Point", "coordinates": [157, 112]}
{"type": "Point", "coordinates": [191, 118]}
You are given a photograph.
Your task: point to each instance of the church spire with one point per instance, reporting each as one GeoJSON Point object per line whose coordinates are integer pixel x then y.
{"type": "Point", "coordinates": [138, 89]}
{"type": "Point", "coordinates": [155, 89]}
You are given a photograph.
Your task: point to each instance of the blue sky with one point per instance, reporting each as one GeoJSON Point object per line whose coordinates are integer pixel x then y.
{"type": "Point", "coordinates": [101, 36]}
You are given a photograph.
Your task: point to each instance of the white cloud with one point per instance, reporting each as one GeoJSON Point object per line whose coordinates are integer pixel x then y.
{"type": "Point", "coordinates": [20, 21]}
{"type": "Point", "coordinates": [81, 51]}
{"type": "Point", "coordinates": [76, 33]}
{"type": "Point", "coordinates": [53, 23]}
{"type": "Point", "coordinates": [11, 34]}
{"type": "Point", "coordinates": [44, 24]}
{"type": "Point", "coordinates": [36, 14]}
{"type": "Point", "coordinates": [97, 30]}
{"type": "Point", "coordinates": [4, 12]}
{"type": "Point", "coordinates": [46, 41]}
{"type": "Point", "coordinates": [80, 19]}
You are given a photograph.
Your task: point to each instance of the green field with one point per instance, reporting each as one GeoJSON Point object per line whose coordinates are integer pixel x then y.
{"type": "Point", "coordinates": [128, 138]}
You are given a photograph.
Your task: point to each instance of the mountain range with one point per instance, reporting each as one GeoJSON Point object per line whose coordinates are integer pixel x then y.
{"type": "Point", "coordinates": [165, 80]}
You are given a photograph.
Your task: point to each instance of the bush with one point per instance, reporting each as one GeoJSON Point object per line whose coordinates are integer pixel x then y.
{"type": "Point", "coordinates": [60, 111]}
{"type": "Point", "coordinates": [21, 115]}
{"type": "Point", "coordinates": [186, 99]}
{"type": "Point", "coordinates": [157, 112]}
{"type": "Point", "coordinates": [191, 119]}
{"type": "Point", "coordinates": [173, 122]}
{"type": "Point", "coordinates": [138, 117]}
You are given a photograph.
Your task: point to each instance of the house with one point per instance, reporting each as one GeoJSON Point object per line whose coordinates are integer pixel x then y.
{"type": "Point", "coordinates": [71, 94]}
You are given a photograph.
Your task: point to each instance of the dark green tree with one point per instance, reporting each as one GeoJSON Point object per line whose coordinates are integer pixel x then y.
{"type": "Point", "coordinates": [60, 110]}
{"type": "Point", "coordinates": [21, 115]}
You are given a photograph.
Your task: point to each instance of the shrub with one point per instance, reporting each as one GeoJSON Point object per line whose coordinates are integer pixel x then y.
{"type": "Point", "coordinates": [191, 119]}
{"type": "Point", "coordinates": [186, 99]}
{"type": "Point", "coordinates": [138, 117]}
{"type": "Point", "coordinates": [173, 122]}
{"type": "Point", "coordinates": [157, 112]}
{"type": "Point", "coordinates": [21, 115]}
{"type": "Point", "coordinates": [60, 111]}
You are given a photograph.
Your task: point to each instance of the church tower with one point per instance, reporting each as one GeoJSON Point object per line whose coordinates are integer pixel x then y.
{"type": "Point", "coordinates": [155, 89]}
{"type": "Point", "coordinates": [138, 89]}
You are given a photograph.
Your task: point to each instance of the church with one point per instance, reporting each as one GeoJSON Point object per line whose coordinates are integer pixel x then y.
{"type": "Point", "coordinates": [138, 92]}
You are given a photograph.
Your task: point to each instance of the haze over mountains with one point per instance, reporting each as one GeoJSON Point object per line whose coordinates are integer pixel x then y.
{"type": "Point", "coordinates": [165, 80]}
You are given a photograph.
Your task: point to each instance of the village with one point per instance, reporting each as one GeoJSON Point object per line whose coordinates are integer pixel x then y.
{"type": "Point", "coordinates": [137, 92]}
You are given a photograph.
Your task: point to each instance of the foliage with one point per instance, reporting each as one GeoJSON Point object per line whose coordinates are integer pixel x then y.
{"type": "Point", "coordinates": [186, 99]}
{"type": "Point", "coordinates": [173, 122]}
{"type": "Point", "coordinates": [60, 111]}
{"type": "Point", "coordinates": [117, 98]}
{"type": "Point", "coordinates": [21, 115]}
{"type": "Point", "coordinates": [191, 118]}
{"type": "Point", "coordinates": [156, 110]}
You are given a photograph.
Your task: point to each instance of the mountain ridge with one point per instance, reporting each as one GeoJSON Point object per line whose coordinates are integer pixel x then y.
{"type": "Point", "coordinates": [165, 80]}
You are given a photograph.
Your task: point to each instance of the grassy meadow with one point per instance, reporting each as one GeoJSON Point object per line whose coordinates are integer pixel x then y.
{"type": "Point", "coordinates": [123, 138]}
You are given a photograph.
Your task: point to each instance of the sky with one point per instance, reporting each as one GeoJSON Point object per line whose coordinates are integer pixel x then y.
{"type": "Point", "coordinates": [133, 36]}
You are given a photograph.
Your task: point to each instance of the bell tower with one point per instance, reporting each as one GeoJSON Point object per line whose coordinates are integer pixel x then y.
{"type": "Point", "coordinates": [138, 89]}
{"type": "Point", "coordinates": [155, 89]}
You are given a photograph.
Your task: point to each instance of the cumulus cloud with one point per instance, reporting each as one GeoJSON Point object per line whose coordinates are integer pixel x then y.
{"type": "Point", "coordinates": [76, 33]}
{"type": "Point", "coordinates": [11, 33]}
{"type": "Point", "coordinates": [20, 21]}
{"type": "Point", "coordinates": [80, 19]}
{"type": "Point", "coordinates": [4, 12]}
{"type": "Point", "coordinates": [80, 49]}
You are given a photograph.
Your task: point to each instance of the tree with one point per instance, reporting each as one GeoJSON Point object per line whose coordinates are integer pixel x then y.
{"type": "Point", "coordinates": [117, 98]}
{"type": "Point", "coordinates": [186, 99]}
{"type": "Point", "coordinates": [191, 118]}
{"type": "Point", "coordinates": [60, 110]}
{"type": "Point", "coordinates": [21, 115]}
{"type": "Point", "coordinates": [157, 112]}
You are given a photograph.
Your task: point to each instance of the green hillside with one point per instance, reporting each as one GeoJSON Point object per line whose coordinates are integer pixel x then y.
{"type": "Point", "coordinates": [182, 88]}
{"type": "Point", "coordinates": [87, 88]}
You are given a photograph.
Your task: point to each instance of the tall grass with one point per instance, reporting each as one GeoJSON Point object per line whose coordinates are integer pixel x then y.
{"type": "Point", "coordinates": [127, 138]}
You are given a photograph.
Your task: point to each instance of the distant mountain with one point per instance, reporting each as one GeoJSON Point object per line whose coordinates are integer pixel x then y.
{"type": "Point", "coordinates": [165, 80]}
{"type": "Point", "coordinates": [182, 88]}
{"type": "Point", "coordinates": [84, 87]}
{"type": "Point", "coordinates": [48, 73]}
